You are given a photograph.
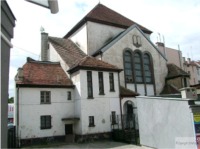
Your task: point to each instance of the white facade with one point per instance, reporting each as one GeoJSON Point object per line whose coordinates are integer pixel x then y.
{"type": "Point", "coordinates": [100, 106]}
{"type": "Point", "coordinates": [30, 110]}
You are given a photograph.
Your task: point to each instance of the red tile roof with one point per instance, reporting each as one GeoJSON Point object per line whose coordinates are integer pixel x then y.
{"type": "Point", "coordinates": [124, 92]}
{"type": "Point", "coordinates": [67, 49]}
{"type": "Point", "coordinates": [91, 63]}
{"type": "Point", "coordinates": [104, 15]}
{"type": "Point", "coordinates": [44, 73]}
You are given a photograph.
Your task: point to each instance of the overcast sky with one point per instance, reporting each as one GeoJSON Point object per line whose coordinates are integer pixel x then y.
{"type": "Point", "coordinates": [177, 21]}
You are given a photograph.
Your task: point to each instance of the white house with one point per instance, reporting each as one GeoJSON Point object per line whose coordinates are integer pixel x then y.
{"type": "Point", "coordinates": [87, 80]}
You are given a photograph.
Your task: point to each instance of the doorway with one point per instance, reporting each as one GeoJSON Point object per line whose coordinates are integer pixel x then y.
{"type": "Point", "coordinates": [68, 129]}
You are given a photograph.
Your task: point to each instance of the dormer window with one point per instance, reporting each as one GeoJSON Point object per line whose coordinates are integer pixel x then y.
{"type": "Point", "coordinates": [137, 41]}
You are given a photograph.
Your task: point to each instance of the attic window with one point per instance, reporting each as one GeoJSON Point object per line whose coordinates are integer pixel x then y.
{"type": "Point", "coordinates": [137, 41]}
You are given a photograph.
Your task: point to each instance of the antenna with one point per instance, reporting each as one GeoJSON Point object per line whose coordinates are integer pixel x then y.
{"type": "Point", "coordinates": [191, 52]}
{"type": "Point", "coordinates": [159, 36]}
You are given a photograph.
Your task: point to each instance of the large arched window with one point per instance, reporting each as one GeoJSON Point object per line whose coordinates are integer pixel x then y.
{"type": "Point", "coordinates": [128, 69]}
{"type": "Point", "coordinates": [138, 67]}
{"type": "Point", "coordinates": [147, 68]}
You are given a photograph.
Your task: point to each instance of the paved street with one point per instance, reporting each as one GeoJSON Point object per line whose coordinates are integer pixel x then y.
{"type": "Point", "coordinates": [102, 144]}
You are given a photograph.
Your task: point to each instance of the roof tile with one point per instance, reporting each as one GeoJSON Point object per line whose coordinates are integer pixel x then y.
{"type": "Point", "coordinates": [104, 15]}
{"type": "Point", "coordinates": [93, 63]}
{"type": "Point", "coordinates": [67, 49]}
{"type": "Point", "coordinates": [44, 73]}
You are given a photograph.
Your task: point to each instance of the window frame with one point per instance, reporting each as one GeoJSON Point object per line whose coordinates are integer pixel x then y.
{"type": "Point", "coordinates": [150, 68]}
{"type": "Point", "coordinates": [128, 77]}
{"type": "Point", "coordinates": [69, 95]}
{"type": "Point", "coordinates": [111, 81]}
{"type": "Point", "coordinates": [114, 117]}
{"type": "Point", "coordinates": [140, 63]}
{"type": "Point", "coordinates": [101, 83]}
{"type": "Point", "coordinates": [89, 85]}
{"type": "Point", "coordinates": [45, 97]}
{"type": "Point", "coordinates": [46, 118]}
{"type": "Point", "coordinates": [91, 121]}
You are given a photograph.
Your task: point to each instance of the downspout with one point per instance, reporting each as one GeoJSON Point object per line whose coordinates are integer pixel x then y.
{"type": "Point", "coordinates": [120, 101]}
{"type": "Point", "coordinates": [17, 100]}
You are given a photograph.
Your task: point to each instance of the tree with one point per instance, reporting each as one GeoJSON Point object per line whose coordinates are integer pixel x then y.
{"type": "Point", "coordinates": [11, 100]}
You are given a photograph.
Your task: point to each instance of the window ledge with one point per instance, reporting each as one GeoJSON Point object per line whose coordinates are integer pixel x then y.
{"type": "Point", "coordinates": [90, 98]}
{"type": "Point", "coordinates": [101, 94]}
{"type": "Point", "coordinates": [91, 125]}
{"type": "Point", "coordinates": [45, 103]}
{"type": "Point", "coordinates": [112, 90]}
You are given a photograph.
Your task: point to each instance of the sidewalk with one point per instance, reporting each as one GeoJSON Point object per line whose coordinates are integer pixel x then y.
{"type": "Point", "coordinates": [102, 144]}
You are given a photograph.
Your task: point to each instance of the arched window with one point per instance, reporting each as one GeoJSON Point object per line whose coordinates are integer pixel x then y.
{"type": "Point", "coordinates": [138, 67]}
{"type": "Point", "coordinates": [128, 69]}
{"type": "Point", "coordinates": [147, 68]}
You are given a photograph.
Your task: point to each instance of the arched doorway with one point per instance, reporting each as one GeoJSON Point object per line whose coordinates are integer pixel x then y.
{"type": "Point", "coordinates": [129, 115]}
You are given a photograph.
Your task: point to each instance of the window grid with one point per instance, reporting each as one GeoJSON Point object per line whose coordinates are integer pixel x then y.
{"type": "Point", "coordinates": [91, 121]}
{"type": "Point", "coordinates": [69, 95]}
{"type": "Point", "coordinates": [128, 67]}
{"type": "Point", "coordinates": [111, 79]}
{"type": "Point", "coordinates": [114, 117]}
{"type": "Point", "coordinates": [45, 122]}
{"type": "Point", "coordinates": [147, 69]}
{"type": "Point", "coordinates": [138, 68]}
{"type": "Point", "coordinates": [89, 83]}
{"type": "Point", "coordinates": [45, 97]}
{"type": "Point", "coordinates": [101, 85]}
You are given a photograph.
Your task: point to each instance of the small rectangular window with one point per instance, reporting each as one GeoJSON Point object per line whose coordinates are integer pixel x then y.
{"type": "Point", "coordinates": [91, 121]}
{"type": "Point", "coordinates": [69, 95]}
{"type": "Point", "coordinates": [111, 79]}
{"type": "Point", "coordinates": [89, 84]}
{"type": "Point", "coordinates": [101, 86]}
{"type": "Point", "coordinates": [45, 122]}
{"type": "Point", "coordinates": [114, 118]}
{"type": "Point", "coordinates": [45, 97]}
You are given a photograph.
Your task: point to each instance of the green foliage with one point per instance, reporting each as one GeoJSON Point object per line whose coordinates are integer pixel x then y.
{"type": "Point", "coordinates": [11, 100]}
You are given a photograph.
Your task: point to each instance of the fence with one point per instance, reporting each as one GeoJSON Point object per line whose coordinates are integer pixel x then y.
{"type": "Point", "coordinates": [12, 137]}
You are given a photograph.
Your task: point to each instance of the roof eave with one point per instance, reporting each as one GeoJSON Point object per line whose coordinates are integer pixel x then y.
{"type": "Point", "coordinates": [173, 77]}
{"type": "Point", "coordinates": [44, 86]}
{"type": "Point", "coordinates": [77, 68]}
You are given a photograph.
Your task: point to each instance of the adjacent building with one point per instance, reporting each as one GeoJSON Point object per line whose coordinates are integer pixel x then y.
{"type": "Point", "coordinates": [7, 26]}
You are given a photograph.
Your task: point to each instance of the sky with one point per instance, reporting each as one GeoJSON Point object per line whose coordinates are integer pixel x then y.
{"type": "Point", "coordinates": [175, 22]}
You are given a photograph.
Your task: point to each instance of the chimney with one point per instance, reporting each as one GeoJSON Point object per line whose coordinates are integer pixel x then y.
{"type": "Point", "coordinates": [20, 75]}
{"type": "Point", "coordinates": [161, 47]}
{"type": "Point", "coordinates": [189, 60]}
{"type": "Point", "coordinates": [44, 47]}
{"type": "Point", "coordinates": [183, 60]}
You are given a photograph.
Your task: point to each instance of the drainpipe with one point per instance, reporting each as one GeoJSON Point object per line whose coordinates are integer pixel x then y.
{"type": "Point", "coordinates": [120, 101]}
{"type": "Point", "coordinates": [17, 100]}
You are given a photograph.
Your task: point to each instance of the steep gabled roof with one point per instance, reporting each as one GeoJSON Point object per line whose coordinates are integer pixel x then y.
{"type": "Point", "coordinates": [104, 15]}
{"type": "Point", "coordinates": [67, 49]}
{"type": "Point", "coordinates": [91, 63]}
{"type": "Point", "coordinates": [174, 72]}
{"type": "Point", "coordinates": [37, 73]}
